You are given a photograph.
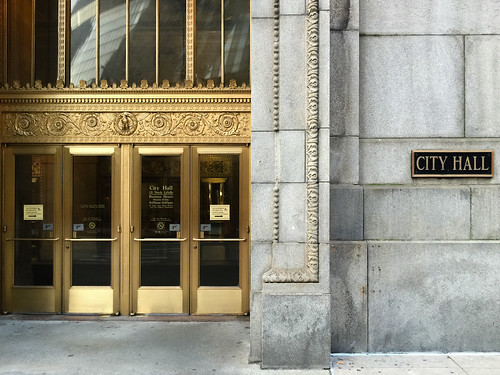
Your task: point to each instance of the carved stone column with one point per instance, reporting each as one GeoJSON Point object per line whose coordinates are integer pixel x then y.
{"type": "Point", "coordinates": [290, 324]}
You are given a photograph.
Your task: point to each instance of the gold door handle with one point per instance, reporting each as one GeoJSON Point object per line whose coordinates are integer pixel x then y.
{"type": "Point", "coordinates": [32, 239]}
{"type": "Point", "coordinates": [160, 239]}
{"type": "Point", "coordinates": [90, 239]}
{"type": "Point", "coordinates": [220, 239]}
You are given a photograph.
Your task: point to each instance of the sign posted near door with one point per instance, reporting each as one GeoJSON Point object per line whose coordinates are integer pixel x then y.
{"type": "Point", "coordinates": [33, 212]}
{"type": "Point", "coordinates": [219, 211]}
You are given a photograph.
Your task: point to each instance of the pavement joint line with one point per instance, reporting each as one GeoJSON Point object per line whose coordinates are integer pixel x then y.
{"type": "Point", "coordinates": [455, 362]}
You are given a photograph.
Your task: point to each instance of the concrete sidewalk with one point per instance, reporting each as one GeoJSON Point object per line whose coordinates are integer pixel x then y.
{"type": "Point", "coordinates": [128, 345]}
{"type": "Point", "coordinates": [417, 364]}
{"type": "Point", "coordinates": [182, 345]}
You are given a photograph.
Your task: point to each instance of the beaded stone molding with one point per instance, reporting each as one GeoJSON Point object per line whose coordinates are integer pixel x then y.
{"type": "Point", "coordinates": [309, 273]}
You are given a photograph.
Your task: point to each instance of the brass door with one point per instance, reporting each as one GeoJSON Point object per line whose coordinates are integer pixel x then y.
{"type": "Point", "coordinates": [91, 232]}
{"type": "Point", "coordinates": [32, 241]}
{"type": "Point", "coordinates": [190, 213]}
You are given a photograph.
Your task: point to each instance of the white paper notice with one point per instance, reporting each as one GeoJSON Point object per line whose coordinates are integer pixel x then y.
{"type": "Point", "coordinates": [219, 211]}
{"type": "Point", "coordinates": [33, 212]}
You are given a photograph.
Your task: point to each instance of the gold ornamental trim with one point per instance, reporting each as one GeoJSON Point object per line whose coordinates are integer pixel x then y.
{"type": "Point", "coordinates": [125, 127]}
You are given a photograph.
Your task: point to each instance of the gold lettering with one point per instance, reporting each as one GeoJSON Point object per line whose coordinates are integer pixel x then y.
{"type": "Point", "coordinates": [442, 161]}
{"type": "Point", "coordinates": [455, 160]}
{"type": "Point", "coordinates": [433, 162]}
{"type": "Point", "coordinates": [482, 162]}
{"type": "Point", "coordinates": [467, 163]}
{"type": "Point", "coordinates": [475, 166]}
{"type": "Point", "coordinates": [418, 165]}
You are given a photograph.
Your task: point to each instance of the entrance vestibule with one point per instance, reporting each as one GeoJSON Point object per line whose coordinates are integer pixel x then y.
{"type": "Point", "coordinates": [126, 229]}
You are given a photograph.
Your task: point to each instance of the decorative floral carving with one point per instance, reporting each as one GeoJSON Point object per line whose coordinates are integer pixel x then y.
{"type": "Point", "coordinates": [90, 124]}
{"type": "Point", "coordinates": [161, 124]}
{"type": "Point", "coordinates": [24, 125]}
{"type": "Point", "coordinates": [309, 273]}
{"type": "Point", "coordinates": [228, 124]}
{"type": "Point", "coordinates": [125, 123]}
{"type": "Point", "coordinates": [146, 126]}
{"type": "Point", "coordinates": [193, 124]}
{"type": "Point", "coordinates": [57, 125]}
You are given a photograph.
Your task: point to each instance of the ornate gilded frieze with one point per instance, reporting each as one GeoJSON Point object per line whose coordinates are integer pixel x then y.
{"type": "Point", "coordinates": [175, 127]}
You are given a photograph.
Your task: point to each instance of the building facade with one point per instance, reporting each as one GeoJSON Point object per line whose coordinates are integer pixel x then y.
{"type": "Point", "coordinates": [209, 157]}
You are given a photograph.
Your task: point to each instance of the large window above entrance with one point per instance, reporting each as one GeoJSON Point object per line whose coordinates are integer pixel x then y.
{"type": "Point", "coordinates": [131, 40]}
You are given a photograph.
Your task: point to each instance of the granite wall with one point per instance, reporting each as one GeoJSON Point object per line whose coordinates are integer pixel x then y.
{"type": "Point", "coordinates": [414, 262]}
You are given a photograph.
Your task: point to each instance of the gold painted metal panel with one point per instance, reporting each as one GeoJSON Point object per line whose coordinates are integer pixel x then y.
{"type": "Point", "coordinates": [220, 300]}
{"type": "Point", "coordinates": [91, 299]}
{"type": "Point", "coordinates": [159, 299]}
{"type": "Point", "coordinates": [37, 298]}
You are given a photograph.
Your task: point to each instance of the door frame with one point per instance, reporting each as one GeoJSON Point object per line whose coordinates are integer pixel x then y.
{"type": "Point", "coordinates": [14, 297]}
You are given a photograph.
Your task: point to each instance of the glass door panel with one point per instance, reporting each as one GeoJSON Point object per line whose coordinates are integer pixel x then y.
{"type": "Point", "coordinates": [32, 241]}
{"type": "Point", "coordinates": [160, 274]}
{"type": "Point", "coordinates": [92, 200]}
{"type": "Point", "coordinates": [219, 280]}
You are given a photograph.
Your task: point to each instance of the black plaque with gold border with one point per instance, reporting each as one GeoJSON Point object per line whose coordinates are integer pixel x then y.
{"type": "Point", "coordinates": [452, 163]}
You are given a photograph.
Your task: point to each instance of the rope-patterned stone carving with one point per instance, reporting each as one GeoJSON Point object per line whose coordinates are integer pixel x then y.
{"type": "Point", "coordinates": [276, 120]}
{"type": "Point", "coordinates": [309, 273]}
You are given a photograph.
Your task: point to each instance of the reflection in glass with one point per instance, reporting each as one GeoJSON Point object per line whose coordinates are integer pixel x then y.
{"type": "Point", "coordinates": [172, 63]}
{"type": "Point", "coordinates": [142, 50]}
{"type": "Point", "coordinates": [91, 219]}
{"type": "Point", "coordinates": [112, 37]}
{"type": "Point", "coordinates": [160, 218]}
{"type": "Point", "coordinates": [208, 41]}
{"type": "Point", "coordinates": [34, 218]}
{"type": "Point", "coordinates": [83, 41]}
{"type": "Point", "coordinates": [237, 41]}
{"type": "Point", "coordinates": [160, 264]}
{"type": "Point", "coordinates": [219, 188]}
{"type": "Point", "coordinates": [46, 41]}
{"type": "Point", "coordinates": [91, 264]}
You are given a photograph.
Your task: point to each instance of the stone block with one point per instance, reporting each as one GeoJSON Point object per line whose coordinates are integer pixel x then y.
{"type": "Point", "coordinates": [411, 86]}
{"type": "Point", "coordinates": [262, 9]}
{"type": "Point", "coordinates": [430, 17]}
{"type": "Point", "coordinates": [412, 213]}
{"type": "Point", "coordinates": [344, 160]}
{"type": "Point", "coordinates": [261, 261]}
{"type": "Point", "coordinates": [293, 70]}
{"type": "Point", "coordinates": [433, 296]}
{"type": "Point", "coordinates": [482, 80]}
{"type": "Point", "coordinates": [349, 296]}
{"type": "Point", "coordinates": [288, 255]}
{"type": "Point", "coordinates": [344, 14]}
{"type": "Point", "coordinates": [344, 83]}
{"type": "Point", "coordinates": [485, 215]}
{"type": "Point", "coordinates": [324, 70]}
{"type": "Point", "coordinates": [262, 215]}
{"type": "Point", "coordinates": [296, 331]}
{"type": "Point", "coordinates": [262, 74]}
{"type": "Point", "coordinates": [292, 156]}
{"type": "Point", "coordinates": [388, 161]}
{"type": "Point", "coordinates": [324, 155]}
{"type": "Point", "coordinates": [263, 157]}
{"type": "Point", "coordinates": [288, 7]}
{"type": "Point", "coordinates": [346, 213]}
{"type": "Point", "coordinates": [321, 287]}
{"type": "Point", "coordinates": [292, 214]}
{"type": "Point", "coordinates": [324, 212]}
{"type": "Point", "coordinates": [255, 328]}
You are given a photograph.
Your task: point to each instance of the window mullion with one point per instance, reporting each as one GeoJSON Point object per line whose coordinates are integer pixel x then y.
{"type": "Point", "coordinates": [97, 39]}
{"type": "Point", "coordinates": [157, 40]}
{"type": "Point", "coordinates": [222, 41]}
{"type": "Point", "coordinates": [190, 38]}
{"type": "Point", "coordinates": [127, 38]}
